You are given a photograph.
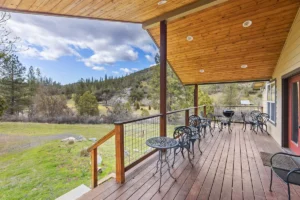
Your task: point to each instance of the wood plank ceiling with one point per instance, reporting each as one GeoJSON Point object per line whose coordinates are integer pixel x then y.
{"type": "Point", "coordinates": [116, 10]}
{"type": "Point", "coordinates": [221, 44]}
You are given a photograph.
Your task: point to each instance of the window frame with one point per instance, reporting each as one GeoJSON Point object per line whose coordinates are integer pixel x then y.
{"type": "Point", "coordinates": [272, 101]}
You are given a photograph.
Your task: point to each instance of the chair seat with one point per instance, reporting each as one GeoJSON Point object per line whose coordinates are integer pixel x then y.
{"type": "Point", "coordinates": [294, 178]}
{"type": "Point", "coordinates": [195, 137]}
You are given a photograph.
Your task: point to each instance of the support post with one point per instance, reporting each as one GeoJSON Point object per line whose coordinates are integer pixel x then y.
{"type": "Point", "coordinates": [204, 111]}
{"type": "Point", "coordinates": [196, 99]}
{"type": "Point", "coordinates": [94, 167]}
{"type": "Point", "coordinates": [262, 109]}
{"type": "Point", "coordinates": [119, 143]}
{"type": "Point", "coordinates": [163, 78]}
{"type": "Point", "coordinates": [187, 113]}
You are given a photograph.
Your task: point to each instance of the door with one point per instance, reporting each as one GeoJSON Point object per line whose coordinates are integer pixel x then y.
{"type": "Point", "coordinates": [294, 106]}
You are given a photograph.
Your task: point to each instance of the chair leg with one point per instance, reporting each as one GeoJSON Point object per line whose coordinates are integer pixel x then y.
{"type": "Point", "coordinates": [182, 152]}
{"type": "Point", "coordinates": [174, 157]}
{"type": "Point", "coordinates": [190, 160]}
{"type": "Point", "coordinates": [193, 142]}
{"type": "Point", "coordinates": [289, 191]}
{"type": "Point", "coordinates": [210, 131]}
{"type": "Point", "coordinates": [199, 146]}
{"type": "Point", "coordinates": [271, 181]}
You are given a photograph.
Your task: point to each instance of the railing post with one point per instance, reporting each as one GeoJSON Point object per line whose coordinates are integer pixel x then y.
{"type": "Point", "coordinates": [163, 78]}
{"type": "Point", "coordinates": [94, 167]}
{"type": "Point", "coordinates": [187, 117]}
{"type": "Point", "coordinates": [204, 111]}
{"type": "Point", "coordinates": [119, 143]}
{"type": "Point", "coordinates": [196, 100]}
{"type": "Point", "coordinates": [261, 109]}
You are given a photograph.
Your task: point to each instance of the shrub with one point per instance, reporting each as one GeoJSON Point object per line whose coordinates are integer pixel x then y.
{"type": "Point", "coordinates": [145, 113]}
{"type": "Point", "coordinates": [88, 105]}
{"type": "Point", "coordinates": [3, 105]}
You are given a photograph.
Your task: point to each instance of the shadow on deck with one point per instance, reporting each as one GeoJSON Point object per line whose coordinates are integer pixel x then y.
{"type": "Point", "coordinates": [229, 168]}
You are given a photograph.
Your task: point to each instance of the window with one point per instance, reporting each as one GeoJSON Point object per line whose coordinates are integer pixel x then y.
{"type": "Point", "coordinates": [271, 100]}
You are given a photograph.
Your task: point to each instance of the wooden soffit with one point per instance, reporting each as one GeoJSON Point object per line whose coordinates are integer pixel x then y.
{"type": "Point", "coordinates": [221, 44]}
{"type": "Point", "coordinates": [136, 11]}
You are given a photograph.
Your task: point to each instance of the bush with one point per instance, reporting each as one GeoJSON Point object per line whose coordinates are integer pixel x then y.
{"type": "Point", "coordinates": [88, 105]}
{"type": "Point", "coordinates": [3, 105]}
{"type": "Point", "coordinates": [145, 113]}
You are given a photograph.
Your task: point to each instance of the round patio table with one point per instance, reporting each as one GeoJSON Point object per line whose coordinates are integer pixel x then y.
{"type": "Point", "coordinates": [162, 144]}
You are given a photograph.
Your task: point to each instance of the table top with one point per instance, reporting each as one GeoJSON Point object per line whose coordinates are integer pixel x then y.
{"type": "Point", "coordinates": [162, 142]}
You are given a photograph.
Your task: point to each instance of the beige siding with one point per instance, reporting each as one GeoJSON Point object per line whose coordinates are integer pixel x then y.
{"type": "Point", "coordinates": [288, 61]}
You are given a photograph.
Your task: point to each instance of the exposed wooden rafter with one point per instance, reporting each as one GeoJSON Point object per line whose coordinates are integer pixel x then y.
{"type": "Point", "coordinates": [181, 12]}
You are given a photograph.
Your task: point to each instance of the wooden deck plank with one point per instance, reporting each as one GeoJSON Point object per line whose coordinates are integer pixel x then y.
{"type": "Point", "coordinates": [246, 175]}
{"type": "Point", "coordinates": [237, 186]}
{"type": "Point", "coordinates": [211, 174]}
{"type": "Point", "coordinates": [227, 182]}
{"type": "Point", "coordinates": [174, 190]}
{"type": "Point", "coordinates": [216, 188]}
{"type": "Point", "coordinates": [230, 168]}
{"type": "Point", "coordinates": [153, 190]}
{"type": "Point", "coordinates": [258, 190]}
{"type": "Point", "coordinates": [196, 188]}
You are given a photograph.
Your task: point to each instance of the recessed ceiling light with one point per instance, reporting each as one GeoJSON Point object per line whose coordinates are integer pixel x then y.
{"type": "Point", "coordinates": [247, 23]}
{"type": "Point", "coordinates": [189, 38]}
{"type": "Point", "coordinates": [161, 2]}
{"type": "Point", "coordinates": [244, 66]}
{"type": "Point", "coordinates": [201, 70]}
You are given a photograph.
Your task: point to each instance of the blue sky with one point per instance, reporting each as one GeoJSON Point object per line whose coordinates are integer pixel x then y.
{"type": "Point", "coordinates": [67, 49]}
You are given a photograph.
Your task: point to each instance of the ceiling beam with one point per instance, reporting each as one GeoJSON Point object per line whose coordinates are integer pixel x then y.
{"type": "Point", "coordinates": [181, 12]}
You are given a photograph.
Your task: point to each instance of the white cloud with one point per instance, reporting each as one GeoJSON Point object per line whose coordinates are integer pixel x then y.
{"type": "Point", "coordinates": [126, 70]}
{"type": "Point", "coordinates": [115, 72]}
{"type": "Point", "coordinates": [50, 38]}
{"type": "Point", "coordinates": [152, 65]}
{"type": "Point", "coordinates": [98, 68]}
{"type": "Point", "coordinates": [149, 58]}
{"type": "Point", "coordinates": [134, 69]}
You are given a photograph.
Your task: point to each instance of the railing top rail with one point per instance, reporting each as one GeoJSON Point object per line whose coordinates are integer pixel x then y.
{"type": "Point", "coordinates": [238, 106]}
{"type": "Point", "coordinates": [176, 111]}
{"type": "Point", "coordinates": [138, 119]}
{"type": "Point", "coordinates": [101, 140]}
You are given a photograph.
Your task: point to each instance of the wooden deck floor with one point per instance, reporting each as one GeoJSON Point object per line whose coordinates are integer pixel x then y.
{"type": "Point", "coordinates": [229, 168]}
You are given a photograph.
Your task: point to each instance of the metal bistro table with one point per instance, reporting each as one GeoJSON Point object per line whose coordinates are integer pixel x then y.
{"type": "Point", "coordinates": [162, 144]}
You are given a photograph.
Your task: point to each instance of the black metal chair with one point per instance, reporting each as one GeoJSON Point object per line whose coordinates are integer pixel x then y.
{"type": "Point", "coordinates": [183, 135]}
{"type": "Point", "coordinates": [283, 165]}
{"type": "Point", "coordinates": [246, 121]}
{"type": "Point", "coordinates": [211, 118]}
{"type": "Point", "coordinates": [262, 120]}
{"type": "Point", "coordinates": [204, 124]}
{"type": "Point", "coordinates": [228, 114]}
{"type": "Point", "coordinates": [194, 125]}
{"type": "Point", "coordinates": [254, 122]}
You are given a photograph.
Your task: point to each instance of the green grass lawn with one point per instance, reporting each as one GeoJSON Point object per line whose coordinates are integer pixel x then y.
{"type": "Point", "coordinates": [53, 168]}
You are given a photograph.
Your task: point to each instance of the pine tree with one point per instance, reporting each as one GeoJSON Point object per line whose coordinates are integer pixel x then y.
{"type": "Point", "coordinates": [12, 83]}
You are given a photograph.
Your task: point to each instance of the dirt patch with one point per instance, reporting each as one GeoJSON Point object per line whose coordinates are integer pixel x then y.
{"type": "Point", "coordinates": [16, 143]}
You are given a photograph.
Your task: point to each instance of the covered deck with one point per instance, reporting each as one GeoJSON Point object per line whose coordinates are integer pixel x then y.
{"type": "Point", "coordinates": [229, 168]}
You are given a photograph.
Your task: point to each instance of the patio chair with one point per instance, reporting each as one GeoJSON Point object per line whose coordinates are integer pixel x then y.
{"type": "Point", "coordinates": [246, 121]}
{"type": "Point", "coordinates": [254, 122]}
{"type": "Point", "coordinates": [227, 121]}
{"type": "Point", "coordinates": [183, 134]}
{"type": "Point", "coordinates": [285, 167]}
{"type": "Point", "coordinates": [204, 124]}
{"type": "Point", "coordinates": [262, 120]}
{"type": "Point", "coordinates": [194, 125]}
{"type": "Point", "coordinates": [211, 118]}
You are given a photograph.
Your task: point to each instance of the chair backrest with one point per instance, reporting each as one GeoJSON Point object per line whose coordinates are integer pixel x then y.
{"type": "Point", "coordinates": [254, 114]}
{"type": "Point", "coordinates": [210, 116]}
{"type": "Point", "coordinates": [243, 116]}
{"type": "Point", "coordinates": [183, 135]}
{"type": "Point", "coordinates": [263, 118]}
{"type": "Point", "coordinates": [201, 114]}
{"type": "Point", "coordinates": [194, 121]}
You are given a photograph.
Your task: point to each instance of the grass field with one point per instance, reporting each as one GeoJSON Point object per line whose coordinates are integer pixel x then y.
{"type": "Point", "coordinates": [52, 168]}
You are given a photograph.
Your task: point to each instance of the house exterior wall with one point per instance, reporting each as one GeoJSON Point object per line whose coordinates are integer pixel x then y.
{"type": "Point", "coordinates": [289, 60]}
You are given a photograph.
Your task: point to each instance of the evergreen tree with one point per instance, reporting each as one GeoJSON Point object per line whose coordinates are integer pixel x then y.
{"type": "Point", "coordinates": [12, 84]}
{"type": "Point", "coordinates": [3, 105]}
{"type": "Point", "coordinates": [32, 81]}
{"type": "Point", "coordinates": [88, 105]}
